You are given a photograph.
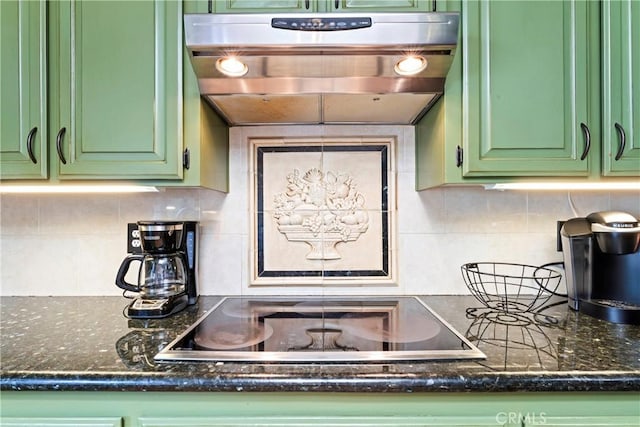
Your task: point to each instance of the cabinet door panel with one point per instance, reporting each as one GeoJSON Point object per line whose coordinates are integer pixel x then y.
{"type": "Point", "coordinates": [62, 422]}
{"type": "Point", "coordinates": [385, 5]}
{"type": "Point", "coordinates": [22, 90]}
{"type": "Point", "coordinates": [621, 91]}
{"type": "Point", "coordinates": [267, 6]}
{"type": "Point", "coordinates": [325, 421]}
{"type": "Point", "coordinates": [525, 88]}
{"type": "Point", "coordinates": [116, 88]}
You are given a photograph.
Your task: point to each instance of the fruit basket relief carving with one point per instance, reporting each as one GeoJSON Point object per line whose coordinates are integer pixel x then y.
{"type": "Point", "coordinates": [321, 209]}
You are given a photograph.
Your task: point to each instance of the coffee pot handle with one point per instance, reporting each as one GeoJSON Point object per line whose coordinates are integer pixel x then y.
{"type": "Point", "coordinates": [122, 271]}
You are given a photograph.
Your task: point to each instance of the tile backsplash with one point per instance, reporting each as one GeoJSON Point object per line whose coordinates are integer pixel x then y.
{"type": "Point", "coordinates": [73, 244]}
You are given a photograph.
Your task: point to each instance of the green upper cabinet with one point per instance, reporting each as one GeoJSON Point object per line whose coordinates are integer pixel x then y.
{"type": "Point", "coordinates": [257, 6]}
{"type": "Point", "coordinates": [115, 76]}
{"type": "Point", "coordinates": [621, 88]}
{"type": "Point", "coordinates": [525, 88]}
{"type": "Point", "coordinates": [23, 125]}
{"type": "Point", "coordinates": [534, 92]}
{"type": "Point", "coordinates": [286, 6]}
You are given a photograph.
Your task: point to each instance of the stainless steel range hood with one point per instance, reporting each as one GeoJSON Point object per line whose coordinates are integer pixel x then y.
{"type": "Point", "coordinates": [311, 69]}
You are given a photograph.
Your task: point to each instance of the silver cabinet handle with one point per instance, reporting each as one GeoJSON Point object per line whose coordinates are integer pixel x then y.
{"type": "Point", "coordinates": [30, 137]}
{"type": "Point", "coordinates": [59, 139]}
{"type": "Point", "coordinates": [623, 141]}
{"type": "Point", "coordinates": [587, 141]}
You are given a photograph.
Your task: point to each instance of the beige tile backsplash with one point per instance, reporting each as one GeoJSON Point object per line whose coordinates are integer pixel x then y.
{"type": "Point", "coordinates": [73, 245]}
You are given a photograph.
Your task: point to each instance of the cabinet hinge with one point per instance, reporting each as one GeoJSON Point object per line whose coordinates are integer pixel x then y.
{"type": "Point", "coordinates": [186, 158]}
{"type": "Point", "coordinates": [459, 156]}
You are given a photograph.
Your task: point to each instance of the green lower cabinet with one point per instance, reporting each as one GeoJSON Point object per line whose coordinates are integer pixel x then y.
{"type": "Point", "coordinates": [325, 421]}
{"type": "Point", "coordinates": [164, 409]}
{"type": "Point", "coordinates": [23, 117]}
{"type": "Point", "coordinates": [621, 91]}
{"type": "Point", "coordinates": [115, 89]}
{"type": "Point", "coordinates": [62, 422]}
{"type": "Point", "coordinates": [578, 421]}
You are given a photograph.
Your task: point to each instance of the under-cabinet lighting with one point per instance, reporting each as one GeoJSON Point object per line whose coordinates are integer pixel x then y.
{"type": "Point", "coordinates": [565, 186]}
{"type": "Point", "coordinates": [57, 189]}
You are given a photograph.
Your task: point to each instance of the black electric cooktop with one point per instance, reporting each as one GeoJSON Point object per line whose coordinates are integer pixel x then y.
{"type": "Point", "coordinates": [326, 329]}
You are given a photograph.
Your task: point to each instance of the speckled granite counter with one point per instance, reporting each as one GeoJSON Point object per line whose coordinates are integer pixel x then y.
{"type": "Point", "coordinates": [69, 343]}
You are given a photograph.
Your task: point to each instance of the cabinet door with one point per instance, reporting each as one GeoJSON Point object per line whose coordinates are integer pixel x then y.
{"type": "Point", "coordinates": [381, 5]}
{"type": "Point", "coordinates": [265, 6]}
{"type": "Point", "coordinates": [23, 150]}
{"type": "Point", "coordinates": [621, 88]}
{"type": "Point", "coordinates": [116, 89]}
{"type": "Point", "coordinates": [326, 421]}
{"type": "Point", "coordinates": [62, 422]}
{"type": "Point", "coordinates": [610, 421]}
{"type": "Point", "coordinates": [525, 88]}
{"type": "Point", "coordinates": [283, 6]}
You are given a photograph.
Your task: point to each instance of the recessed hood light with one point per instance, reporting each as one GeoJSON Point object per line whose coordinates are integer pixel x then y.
{"type": "Point", "coordinates": [232, 67]}
{"type": "Point", "coordinates": [410, 65]}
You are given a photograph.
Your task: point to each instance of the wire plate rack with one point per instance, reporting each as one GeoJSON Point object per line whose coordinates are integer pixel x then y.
{"type": "Point", "coordinates": [512, 288]}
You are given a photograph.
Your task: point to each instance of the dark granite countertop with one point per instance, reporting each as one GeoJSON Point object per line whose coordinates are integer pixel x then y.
{"type": "Point", "coordinates": [85, 343]}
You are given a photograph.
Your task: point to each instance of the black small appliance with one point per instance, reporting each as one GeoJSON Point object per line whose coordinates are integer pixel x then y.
{"type": "Point", "coordinates": [167, 252]}
{"type": "Point", "coordinates": [602, 265]}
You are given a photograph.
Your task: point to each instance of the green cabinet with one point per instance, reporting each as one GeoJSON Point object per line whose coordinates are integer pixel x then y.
{"type": "Point", "coordinates": [523, 96]}
{"type": "Point", "coordinates": [115, 89]}
{"type": "Point", "coordinates": [309, 6]}
{"type": "Point", "coordinates": [620, 88]}
{"type": "Point", "coordinates": [191, 409]}
{"type": "Point", "coordinates": [525, 88]}
{"type": "Point", "coordinates": [62, 422]}
{"type": "Point", "coordinates": [117, 100]}
{"type": "Point", "coordinates": [23, 118]}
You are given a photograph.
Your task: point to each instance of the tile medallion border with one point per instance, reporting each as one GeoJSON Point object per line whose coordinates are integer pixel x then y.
{"type": "Point", "coordinates": [323, 227]}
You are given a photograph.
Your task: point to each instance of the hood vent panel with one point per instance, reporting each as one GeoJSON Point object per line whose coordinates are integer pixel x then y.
{"type": "Point", "coordinates": [311, 76]}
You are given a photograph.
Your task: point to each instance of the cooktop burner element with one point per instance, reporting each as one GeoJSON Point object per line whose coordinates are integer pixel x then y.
{"type": "Point", "coordinates": [314, 329]}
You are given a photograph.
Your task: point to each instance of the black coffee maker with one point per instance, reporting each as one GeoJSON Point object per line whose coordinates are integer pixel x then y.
{"type": "Point", "coordinates": [602, 265]}
{"type": "Point", "coordinates": [167, 252]}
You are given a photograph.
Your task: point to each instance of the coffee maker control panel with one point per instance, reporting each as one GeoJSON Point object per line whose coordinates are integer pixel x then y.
{"type": "Point", "coordinates": [190, 247]}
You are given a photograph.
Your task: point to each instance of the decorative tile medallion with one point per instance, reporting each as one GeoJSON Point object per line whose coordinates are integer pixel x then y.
{"type": "Point", "coordinates": [322, 212]}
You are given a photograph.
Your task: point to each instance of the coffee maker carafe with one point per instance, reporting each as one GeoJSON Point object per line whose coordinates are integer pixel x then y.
{"type": "Point", "coordinates": [166, 280]}
{"type": "Point", "coordinates": [602, 265]}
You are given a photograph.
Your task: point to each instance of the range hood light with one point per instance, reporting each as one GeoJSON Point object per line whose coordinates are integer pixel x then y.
{"type": "Point", "coordinates": [232, 67]}
{"type": "Point", "coordinates": [410, 65]}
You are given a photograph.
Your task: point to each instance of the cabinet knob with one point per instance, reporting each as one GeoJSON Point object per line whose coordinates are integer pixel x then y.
{"type": "Point", "coordinates": [623, 141]}
{"type": "Point", "coordinates": [587, 140]}
{"type": "Point", "coordinates": [59, 139]}
{"type": "Point", "coordinates": [30, 137]}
